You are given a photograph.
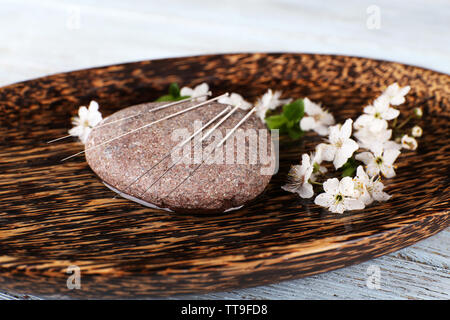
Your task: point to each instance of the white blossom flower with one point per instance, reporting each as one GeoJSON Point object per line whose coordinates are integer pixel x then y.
{"type": "Point", "coordinates": [339, 196]}
{"type": "Point", "coordinates": [372, 140]}
{"type": "Point", "coordinates": [418, 112]}
{"type": "Point", "coordinates": [368, 189]}
{"type": "Point", "coordinates": [409, 143]}
{"type": "Point", "coordinates": [367, 137]}
{"type": "Point", "coordinates": [317, 155]}
{"type": "Point", "coordinates": [236, 100]}
{"type": "Point", "coordinates": [416, 131]}
{"type": "Point", "coordinates": [376, 116]}
{"type": "Point", "coordinates": [379, 161]}
{"type": "Point", "coordinates": [316, 160]}
{"type": "Point", "coordinates": [340, 146]}
{"type": "Point", "coordinates": [299, 178]}
{"type": "Point", "coordinates": [269, 101]}
{"type": "Point", "coordinates": [199, 91]}
{"type": "Point", "coordinates": [391, 145]}
{"type": "Point", "coordinates": [318, 119]}
{"type": "Point", "coordinates": [395, 94]}
{"type": "Point", "coordinates": [86, 120]}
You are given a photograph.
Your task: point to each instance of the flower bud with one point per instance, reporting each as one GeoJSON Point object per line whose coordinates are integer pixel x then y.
{"type": "Point", "coordinates": [409, 143]}
{"type": "Point", "coordinates": [416, 131]}
{"type": "Point", "coordinates": [418, 112]}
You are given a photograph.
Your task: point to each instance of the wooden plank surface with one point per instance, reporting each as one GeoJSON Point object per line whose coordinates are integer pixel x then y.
{"type": "Point", "coordinates": [44, 37]}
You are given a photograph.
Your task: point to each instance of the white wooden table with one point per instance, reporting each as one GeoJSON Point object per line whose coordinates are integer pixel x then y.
{"type": "Point", "coordinates": [42, 37]}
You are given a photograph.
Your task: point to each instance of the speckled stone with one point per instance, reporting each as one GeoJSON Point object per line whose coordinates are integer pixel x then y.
{"type": "Point", "coordinates": [212, 188]}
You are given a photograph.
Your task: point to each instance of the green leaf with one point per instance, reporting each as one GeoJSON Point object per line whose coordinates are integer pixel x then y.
{"type": "Point", "coordinates": [173, 95]}
{"type": "Point", "coordinates": [349, 168]}
{"type": "Point", "coordinates": [174, 90]}
{"type": "Point", "coordinates": [166, 97]}
{"type": "Point", "coordinates": [295, 132]}
{"type": "Point", "coordinates": [348, 172]}
{"type": "Point", "coordinates": [276, 121]}
{"type": "Point", "coordinates": [294, 111]}
{"type": "Point", "coordinates": [288, 121]}
{"type": "Point", "coordinates": [316, 167]}
{"type": "Point", "coordinates": [290, 124]}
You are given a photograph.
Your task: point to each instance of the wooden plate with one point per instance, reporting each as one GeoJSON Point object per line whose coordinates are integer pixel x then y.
{"type": "Point", "coordinates": [53, 214]}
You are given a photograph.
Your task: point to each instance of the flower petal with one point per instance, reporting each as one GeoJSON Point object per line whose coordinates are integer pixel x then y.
{"type": "Point", "coordinates": [347, 187]}
{"type": "Point", "coordinates": [327, 118]}
{"type": "Point", "coordinates": [349, 146]}
{"type": "Point", "coordinates": [387, 170]}
{"type": "Point", "coordinates": [372, 169]}
{"type": "Point", "coordinates": [94, 118]}
{"type": "Point", "coordinates": [381, 196]}
{"type": "Point", "coordinates": [397, 100]}
{"type": "Point", "coordinates": [378, 125]}
{"type": "Point", "coordinates": [85, 134]}
{"type": "Point", "coordinates": [403, 91]}
{"type": "Point", "coordinates": [290, 187]}
{"type": "Point", "coordinates": [381, 104]}
{"type": "Point", "coordinates": [363, 121]}
{"type": "Point", "coordinates": [337, 207]}
{"type": "Point", "coordinates": [76, 131]}
{"type": "Point", "coordinates": [377, 192]}
{"type": "Point", "coordinates": [340, 158]}
{"type": "Point", "coordinates": [391, 90]}
{"type": "Point", "coordinates": [327, 151]}
{"type": "Point", "coordinates": [324, 200]}
{"type": "Point", "coordinates": [390, 155]}
{"type": "Point", "coordinates": [201, 89]}
{"type": "Point", "coordinates": [307, 123]}
{"type": "Point", "coordinates": [369, 110]}
{"type": "Point", "coordinates": [306, 161]}
{"type": "Point", "coordinates": [366, 157]}
{"type": "Point", "coordinates": [331, 186]}
{"type": "Point", "coordinates": [346, 129]}
{"type": "Point", "coordinates": [322, 130]}
{"type": "Point", "coordinates": [353, 204]}
{"type": "Point", "coordinates": [390, 114]}
{"type": "Point", "coordinates": [311, 108]}
{"type": "Point", "coordinates": [83, 113]}
{"type": "Point", "coordinates": [93, 106]}
{"type": "Point", "coordinates": [306, 191]}
{"type": "Point", "coordinates": [365, 197]}
{"type": "Point", "coordinates": [361, 174]}
{"type": "Point", "coordinates": [186, 91]}
{"type": "Point", "coordinates": [335, 133]}
{"type": "Point", "coordinates": [392, 145]}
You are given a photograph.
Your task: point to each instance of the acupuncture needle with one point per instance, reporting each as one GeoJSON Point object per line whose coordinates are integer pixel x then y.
{"type": "Point", "coordinates": [217, 146]}
{"type": "Point", "coordinates": [200, 141]}
{"type": "Point", "coordinates": [138, 114]}
{"type": "Point", "coordinates": [179, 146]}
{"type": "Point", "coordinates": [147, 125]}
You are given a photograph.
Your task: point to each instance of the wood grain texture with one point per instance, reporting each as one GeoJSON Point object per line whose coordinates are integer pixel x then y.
{"type": "Point", "coordinates": [420, 271]}
{"type": "Point", "coordinates": [55, 215]}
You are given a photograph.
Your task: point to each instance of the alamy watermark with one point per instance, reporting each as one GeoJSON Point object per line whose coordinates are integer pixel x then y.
{"type": "Point", "coordinates": [373, 21]}
{"type": "Point", "coordinates": [74, 279]}
{"type": "Point", "coordinates": [374, 277]}
{"type": "Point", "coordinates": [73, 21]}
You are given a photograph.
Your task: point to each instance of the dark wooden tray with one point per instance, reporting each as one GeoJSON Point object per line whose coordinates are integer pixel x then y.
{"type": "Point", "coordinates": [55, 214]}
